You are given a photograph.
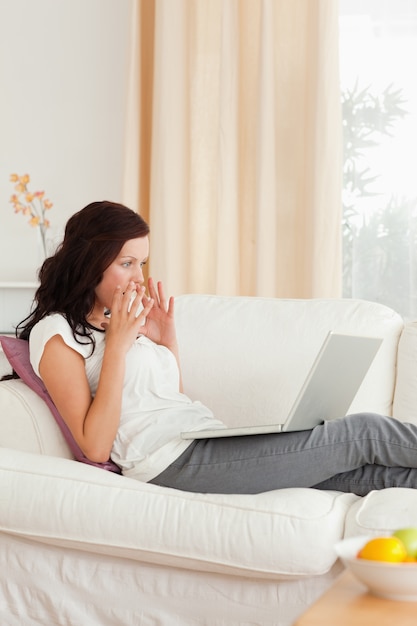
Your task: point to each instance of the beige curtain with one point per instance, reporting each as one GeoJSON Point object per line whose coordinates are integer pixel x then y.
{"type": "Point", "coordinates": [233, 144]}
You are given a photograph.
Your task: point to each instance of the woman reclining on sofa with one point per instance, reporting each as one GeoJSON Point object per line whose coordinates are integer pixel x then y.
{"type": "Point", "coordinates": [94, 325]}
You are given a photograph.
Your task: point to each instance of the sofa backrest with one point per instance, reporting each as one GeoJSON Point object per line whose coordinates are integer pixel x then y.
{"type": "Point", "coordinates": [246, 358]}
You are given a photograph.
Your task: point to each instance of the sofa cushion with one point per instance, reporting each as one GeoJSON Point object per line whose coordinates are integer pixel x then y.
{"type": "Point", "coordinates": [247, 358]}
{"type": "Point", "coordinates": [280, 534]}
{"type": "Point", "coordinates": [17, 353]}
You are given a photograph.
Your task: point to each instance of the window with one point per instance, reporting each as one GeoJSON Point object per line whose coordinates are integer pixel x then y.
{"type": "Point", "coordinates": [378, 48]}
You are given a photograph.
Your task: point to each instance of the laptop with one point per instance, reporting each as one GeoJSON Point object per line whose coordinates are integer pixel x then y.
{"type": "Point", "coordinates": [327, 392]}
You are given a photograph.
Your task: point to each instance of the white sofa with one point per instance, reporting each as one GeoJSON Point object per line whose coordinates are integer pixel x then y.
{"type": "Point", "coordinates": [81, 545]}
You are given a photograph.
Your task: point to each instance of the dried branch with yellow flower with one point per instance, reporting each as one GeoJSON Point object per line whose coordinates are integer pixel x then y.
{"type": "Point", "coordinates": [32, 204]}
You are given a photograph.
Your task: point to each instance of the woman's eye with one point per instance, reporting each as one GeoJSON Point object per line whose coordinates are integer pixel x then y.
{"type": "Point", "coordinates": [143, 263]}
{"type": "Point", "coordinates": [127, 263]}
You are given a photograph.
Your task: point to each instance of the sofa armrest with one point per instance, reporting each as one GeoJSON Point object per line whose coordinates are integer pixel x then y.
{"type": "Point", "coordinates": [405, 395]}
{"type": "Point", "coordinates": [27, 424]}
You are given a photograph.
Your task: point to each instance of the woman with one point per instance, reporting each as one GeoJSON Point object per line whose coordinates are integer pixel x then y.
{"type": "Point", "coordinates": [108, 355]}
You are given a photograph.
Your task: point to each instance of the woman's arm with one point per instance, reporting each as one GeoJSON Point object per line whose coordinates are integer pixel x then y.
{"type": "Point", "coordinates": [93, 422]}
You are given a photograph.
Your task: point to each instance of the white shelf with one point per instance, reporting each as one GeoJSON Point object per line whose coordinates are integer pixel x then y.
{"type": "Point", "coordinates": [18, 285]}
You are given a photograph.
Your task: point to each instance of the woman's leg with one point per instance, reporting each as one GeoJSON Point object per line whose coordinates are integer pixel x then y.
{"type": "Point", "coordinates": [370, 477]}
{"type": "Point", "coordinates": [309, 458]}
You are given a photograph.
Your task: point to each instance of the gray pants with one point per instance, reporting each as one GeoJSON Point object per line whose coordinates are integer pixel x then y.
{"type": "Point", "coordinates": [356, 454]}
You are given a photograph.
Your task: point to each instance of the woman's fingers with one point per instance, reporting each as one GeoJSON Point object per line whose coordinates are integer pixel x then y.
{"type": "Point", "coordinates": [157, 294]}
{"type": "Point", "coordinates": [117, 299]}
{"type": "Point", "coordinates": [143, 314]}
{"type": "Point", "coordinates": [152, 291]}
{"type": "Point", "coordinates": [171, 305]}
{"type": "Point", "coordinates": [123, 301]}
{"type": "Point", "coordinates": [161, 294]}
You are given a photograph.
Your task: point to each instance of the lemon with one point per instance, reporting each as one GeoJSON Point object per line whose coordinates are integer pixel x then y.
{"type": "Point", "coordinates": [409, 538]}
{"type": "Point", "coordinates": [388, 549]}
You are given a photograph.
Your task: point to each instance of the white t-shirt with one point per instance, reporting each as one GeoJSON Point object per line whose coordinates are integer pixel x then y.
{"type": "Point", "coordinates": [154, 412]}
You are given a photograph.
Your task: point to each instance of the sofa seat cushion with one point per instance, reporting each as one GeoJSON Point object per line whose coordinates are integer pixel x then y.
{"type": "Point", "coordinates": [381, 512]}
{"type": "Point", "coordinates": [279, 534]}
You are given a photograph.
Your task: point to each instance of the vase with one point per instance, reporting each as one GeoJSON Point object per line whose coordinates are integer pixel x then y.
{"type": "Point", "coordinates": [41, 246]}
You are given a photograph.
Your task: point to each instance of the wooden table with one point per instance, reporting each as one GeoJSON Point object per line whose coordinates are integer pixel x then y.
{"type": "Point", "coordinates": [347, 603]}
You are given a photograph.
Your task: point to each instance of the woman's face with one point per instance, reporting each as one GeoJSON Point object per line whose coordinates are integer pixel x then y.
{"type": "Point", "coordinates": [126, 267]}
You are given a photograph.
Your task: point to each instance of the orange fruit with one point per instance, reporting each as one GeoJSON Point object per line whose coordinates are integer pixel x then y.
{"type": "Point", "coordinates": [388, 549]}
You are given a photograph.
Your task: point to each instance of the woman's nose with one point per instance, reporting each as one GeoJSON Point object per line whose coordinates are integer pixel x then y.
{"type": "Point", "coordinates": [139, 279]}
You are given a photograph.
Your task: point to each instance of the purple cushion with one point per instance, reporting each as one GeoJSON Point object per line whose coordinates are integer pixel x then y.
{"type": "Point", "coordinates": [17, 353]}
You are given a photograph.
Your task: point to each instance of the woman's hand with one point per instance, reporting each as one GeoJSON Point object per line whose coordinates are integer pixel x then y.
{"type": "Point", "coordinates": [125, 324]}
{"type": "Point", "coordinates": [155, 321]}
{"type": "Point", "coordinates": [160, 323]}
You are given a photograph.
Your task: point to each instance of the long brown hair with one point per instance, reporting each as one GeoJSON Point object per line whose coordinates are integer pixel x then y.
{"type": "Point", "coordinates": [93, 239]}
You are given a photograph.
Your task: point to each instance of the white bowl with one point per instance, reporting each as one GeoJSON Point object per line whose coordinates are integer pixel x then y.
{"type": "Point", "coordinates": [397, 581]}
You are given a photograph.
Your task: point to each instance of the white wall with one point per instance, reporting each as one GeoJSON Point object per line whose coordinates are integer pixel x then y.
{"type": "Point", "coordinates": [63, 75]}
